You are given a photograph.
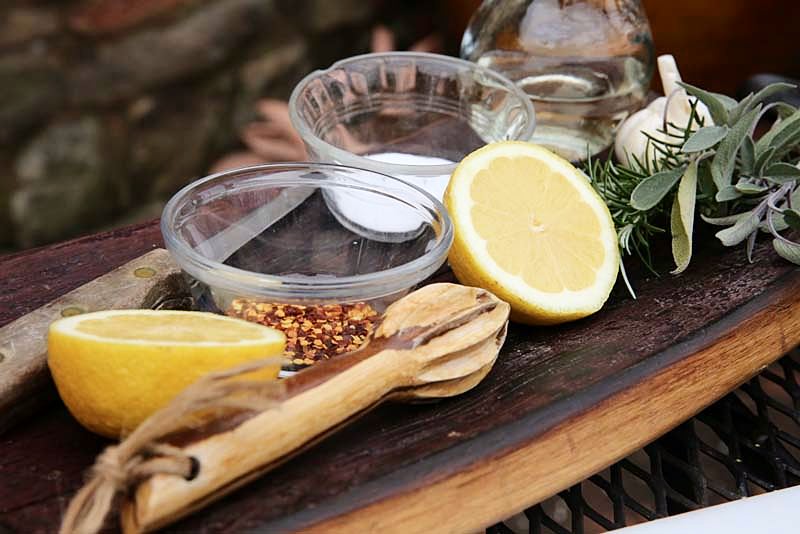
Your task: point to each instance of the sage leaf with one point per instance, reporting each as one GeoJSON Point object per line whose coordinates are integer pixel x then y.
{"type": "Point", "coordinates": [723, 221]}
{"type": "Point", "coordinates": [705, 138]}
{"type": "Point", "coordinates": [725, 159]}
{"type": "Point", "coordinates": [782, 172]}
{"type": "Point", "coordinates": [781, 134]}
{"type": "Point", "coordinates": [787, 251]}
{"type": "Point", "coordinates": [727, 193]}
{"type": "Point", "coordinates": [726, 100]}
{"type": "Point", "coordinates": [785, 131]}
{"type": "Point", "coordinates": [747, 188]}
{"type": "Point", "coordinates": [792, 218]}
{"type": "Point", "coordinates": [652, 190]}
{"type": "Point", "coordinates": [717, 107]}
{"type": "Point", "coordinates": [785, 110]}
{"type": "Point", "coordinates": [777, 221]}
{"type": "Point", "coordinates": [781, 222]}
{"type": "Point", "coordinates": [772, 89]}
{"type": "Point", "coordinates": [754, 99]}
{"type": "Point", "coordinates": [751, 245]}
{"type": "Point", "coordinates": [705, 183]}
{"type": "Point", "coordinates": [780, 179]}
{"type": "Point", "coordinates": [748, 153]}
{"type": "Point", "coordinates": [740, 231]}
{"type": "Point", "coordinates": [681, 241]}
{"type": "Point", "coordinates": [763, 160]}
{"type": "Point", "coordinates": [743, 107]}
{"type": "Point", "coordinates": [682, 219]}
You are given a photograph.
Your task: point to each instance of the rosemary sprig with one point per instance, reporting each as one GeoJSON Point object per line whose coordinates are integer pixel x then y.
{"type": "Point", "coordinates": [745, 185]}
{"type": "Point", "coordinates": [635, 228]}
{"type": "Point", "coordinates": [638, 225]}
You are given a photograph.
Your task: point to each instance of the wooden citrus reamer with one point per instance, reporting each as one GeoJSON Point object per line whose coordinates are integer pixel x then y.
{"type": "Point", "coordinates": [439, 341]}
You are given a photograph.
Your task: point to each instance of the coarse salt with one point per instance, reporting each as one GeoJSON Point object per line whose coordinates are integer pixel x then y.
{"type": "Point", "coordinates": [384, 218]}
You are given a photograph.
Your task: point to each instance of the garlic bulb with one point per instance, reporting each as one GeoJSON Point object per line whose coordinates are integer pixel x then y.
{"type": "Point", "coordinates": [677, 105]}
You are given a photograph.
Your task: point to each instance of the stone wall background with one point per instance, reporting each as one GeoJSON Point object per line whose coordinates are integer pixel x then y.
{"type": "Point", "coordinates": [107, 107]}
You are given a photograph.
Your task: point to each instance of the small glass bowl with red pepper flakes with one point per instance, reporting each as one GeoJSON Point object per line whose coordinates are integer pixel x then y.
{"type": "Point", "coordinates": [318, 251]}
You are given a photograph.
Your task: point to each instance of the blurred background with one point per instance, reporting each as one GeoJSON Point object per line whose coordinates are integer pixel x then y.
{"type": "Point", "coordinates": [107, 107]}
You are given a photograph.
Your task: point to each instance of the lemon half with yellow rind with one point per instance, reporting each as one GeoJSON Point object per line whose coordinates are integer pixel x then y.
{"type": "Point", "coordinates": [113, 369]}
{"type": "Point", "coordinates": [530, 228]}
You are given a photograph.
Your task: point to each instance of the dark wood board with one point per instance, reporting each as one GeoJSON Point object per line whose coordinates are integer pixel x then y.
{"type": "Point", "coordinates": [560, 404]}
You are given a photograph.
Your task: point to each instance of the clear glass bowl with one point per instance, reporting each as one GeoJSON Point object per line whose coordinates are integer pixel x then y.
{"type": "Point", "coordinates": [305, 238]}
{"type": "Point", "coordinates": [409, 115]}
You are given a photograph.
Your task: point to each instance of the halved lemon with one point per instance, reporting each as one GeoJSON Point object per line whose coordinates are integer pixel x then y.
{"type": "Point", "coordinates": [530, 228]}
{"type": "Point", "coordinates": [115, 368]}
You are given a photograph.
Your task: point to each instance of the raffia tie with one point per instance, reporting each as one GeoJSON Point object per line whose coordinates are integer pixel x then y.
{"type": "Point", "coordinates": [139, 456]}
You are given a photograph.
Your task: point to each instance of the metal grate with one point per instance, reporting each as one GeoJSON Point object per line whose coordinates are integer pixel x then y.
{"type": "Point", "coordinates": [746, 444]}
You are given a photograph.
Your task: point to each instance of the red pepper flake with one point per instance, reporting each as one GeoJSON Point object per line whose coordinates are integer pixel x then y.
{"type": "Point", "coordinates": [315, 332]}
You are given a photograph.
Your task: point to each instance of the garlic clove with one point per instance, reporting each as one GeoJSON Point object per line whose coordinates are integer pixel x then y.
{"type": "Point", "coordinates": [680, 108]}
{"type": "Point", "coordinates": [632, 135]}
{"type": "Point", "coordinates": [670, 76]}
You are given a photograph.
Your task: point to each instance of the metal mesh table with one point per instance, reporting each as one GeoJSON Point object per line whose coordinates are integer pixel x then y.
{"type": "Point", "coordinates": [746, 444]}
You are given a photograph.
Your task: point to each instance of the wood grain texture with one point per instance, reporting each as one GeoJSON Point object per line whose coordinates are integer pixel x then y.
{"type": "Point", "coordinates": [529, 466]}
{"type": "Point", "coordinates": [152, 280]}
{"type": "Point", "coordinates": [636, 368]}
{"type": "Point", "coordinates": [32, 278]}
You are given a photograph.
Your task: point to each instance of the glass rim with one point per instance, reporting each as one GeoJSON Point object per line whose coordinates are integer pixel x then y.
{"type": "Point", "coordinates": [350, 159]}
{"type": "Point", "coordinates": [367, 286]}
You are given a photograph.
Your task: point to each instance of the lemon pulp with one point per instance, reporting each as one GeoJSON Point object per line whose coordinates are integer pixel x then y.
{"type": "Point", "coordinates": [530, 228]}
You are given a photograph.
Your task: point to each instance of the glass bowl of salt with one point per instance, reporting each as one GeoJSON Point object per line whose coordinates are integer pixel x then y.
{"type": "Point", "coordinates": [409, 115]}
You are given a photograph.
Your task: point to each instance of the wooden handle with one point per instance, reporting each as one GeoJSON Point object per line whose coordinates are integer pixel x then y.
{"type": "Point", "coordinates": [317, 401]}
{"type": "Point", "coordinates": [150, 281]}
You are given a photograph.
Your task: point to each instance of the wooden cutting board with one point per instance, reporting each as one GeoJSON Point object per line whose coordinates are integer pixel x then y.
{"type": "Point", "coordinates": [560, 404]}
{"type": "Point", "coordinates": [151, 281]}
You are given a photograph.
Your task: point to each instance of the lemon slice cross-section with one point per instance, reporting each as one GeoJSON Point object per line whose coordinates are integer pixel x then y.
{"type": "Point", "coordinates": [531, 229]}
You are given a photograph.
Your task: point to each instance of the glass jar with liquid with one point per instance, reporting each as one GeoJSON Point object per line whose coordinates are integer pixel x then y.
{"type": "Point", "coordinates": [585, 64]}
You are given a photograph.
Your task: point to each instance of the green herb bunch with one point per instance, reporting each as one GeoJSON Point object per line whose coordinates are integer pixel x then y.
{"type": "Point", "coordinates": [720, 171]}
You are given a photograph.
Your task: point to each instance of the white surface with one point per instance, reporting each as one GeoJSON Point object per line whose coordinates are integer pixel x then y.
{"type": "Point", "coordinates": [383, 218]}
{"type": "Point", "coordinates": [435, 185]}
{"type": "Point", "coordinates": [772, 513]}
